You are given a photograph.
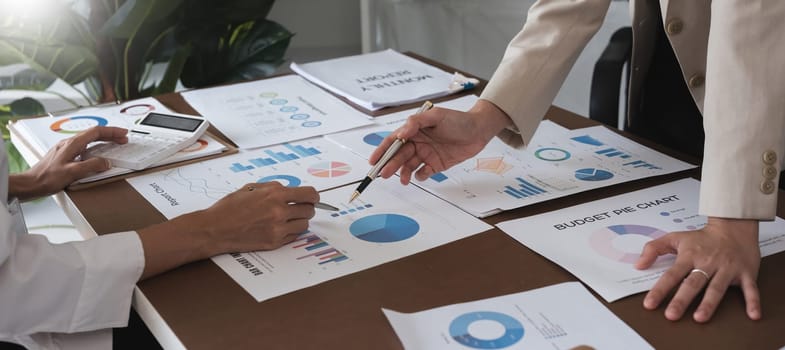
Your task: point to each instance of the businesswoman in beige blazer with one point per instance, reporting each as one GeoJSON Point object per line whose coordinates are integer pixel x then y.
{"type": "Point", "coordinates": [730, 54]}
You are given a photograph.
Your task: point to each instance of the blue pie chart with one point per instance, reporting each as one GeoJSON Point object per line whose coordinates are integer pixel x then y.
{"type": "Point", "coordinates": [286, 180]}
{"type": "Point", "coordinates": [384, 228]}
{"type": "Point", "coordinates": [460, 330]}
{"type": "Point", "coordinates": [592, 174]}
{"type": "Point", "coordinates": [375, 138]}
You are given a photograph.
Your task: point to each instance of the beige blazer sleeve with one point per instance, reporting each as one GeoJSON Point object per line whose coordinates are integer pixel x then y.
{"type": "Point", "coordinates": [538, 59]}
{"type": "Point", "coordinates": [744, 109]}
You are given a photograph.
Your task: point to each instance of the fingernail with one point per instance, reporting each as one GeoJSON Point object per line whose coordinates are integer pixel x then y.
{"type": "Point", "coordinates": [108, 163]}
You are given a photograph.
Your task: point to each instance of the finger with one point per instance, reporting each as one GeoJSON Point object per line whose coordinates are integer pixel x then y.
{"type": "Point", "coordinates": [712, 297]}
{"type": "Point", "coordinates": [653, 249]}
{"type": "Point", "coordinates": [301, 211]}
{"type": "Point", "coordinates": [420, 121]}
{"type": "Point", "coordinates": [305, 194]}
{"type": "Point", "coordinates": [691, 285]}
{"type": "Point", "coordinates": [407, 153]}
{"type": "Point", "coordinates": [751, 297]}
{"type": "Point", "coordinates": [381, 148]}
{"type": "Point", "coordinates": [89, 166]}
{"type": "Point", "coordinates": [102, 133]}
{"type": "Point", "coordinates": [406, 174]}
{"type": "Point", "coordinates": [294, 228]}
{"type": "Point", "coordinates": [667, 282]}
{"type": "Point", "coordinates": [424, 173]}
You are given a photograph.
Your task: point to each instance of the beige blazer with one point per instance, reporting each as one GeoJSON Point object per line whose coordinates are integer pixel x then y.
{"type": "Point", "coordinates": [732, 53]}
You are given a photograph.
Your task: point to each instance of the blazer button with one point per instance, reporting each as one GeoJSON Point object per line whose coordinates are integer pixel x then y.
{"type": "Point", "coordinates": [767, 187]}
{"type": "Point", "coordinates": [674, 26]}
{"type": "Point", "coordinates": [696, 80]}
{"type": "Point", "coordinates": [769, 157]}
{"type": "Point", "coordinates": [769, 172]}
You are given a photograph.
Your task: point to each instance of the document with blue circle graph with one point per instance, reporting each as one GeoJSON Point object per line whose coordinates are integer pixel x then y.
{"type": "Point", "coordinates": [388, 222]}
{"type": "Point", "coordinates": [560, 316]}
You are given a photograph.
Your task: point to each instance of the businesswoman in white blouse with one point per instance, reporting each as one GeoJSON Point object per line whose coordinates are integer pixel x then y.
{"type": "Point", "coordinates": [728, 60]}
{"type": "Point", "coordinates": [70, 295]}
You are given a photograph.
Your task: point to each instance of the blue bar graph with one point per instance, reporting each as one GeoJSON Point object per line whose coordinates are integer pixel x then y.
{"type": "Point", "coordinates": [297, 152]}
{"type": "Point", "coordinates": [352, 210]}
{"type": "Point", "coordinates": [262, 162]}
{"type": "Point", "coordinates": [281, 156]}
{"type": "Point", "coordinates": [302, 151]}
{"type": "Point", "coordinates": [642, 164]}
{"type": "Point", "coordinates": [524, 189]}
{"type": "Point", "coordinates": [612, 152]}
{"type": "Point", "coordinates": [586, 139]}
{"type": "Point", "coordinates": [438, 177]}
{"type": "Point", "coordinates": [237, 167]}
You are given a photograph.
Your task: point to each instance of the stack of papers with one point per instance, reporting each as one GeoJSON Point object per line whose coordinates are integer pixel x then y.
{"type": "Point", "coordinates": [380, 79]}
{"type": "Point", "coordinates": [39, 135]}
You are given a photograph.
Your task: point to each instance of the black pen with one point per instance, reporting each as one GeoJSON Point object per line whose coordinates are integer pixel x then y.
{"type": "Point", "coordinates": [396, 145]}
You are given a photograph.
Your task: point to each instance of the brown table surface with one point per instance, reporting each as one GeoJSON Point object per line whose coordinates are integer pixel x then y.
{"type": "Point", "coordinates": [206, 309]}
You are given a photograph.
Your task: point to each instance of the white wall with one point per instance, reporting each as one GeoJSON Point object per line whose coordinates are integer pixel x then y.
{"type": "Point", "coordinates": [323, 29]}
{"type": "Point", "coordinates": [472, 35]}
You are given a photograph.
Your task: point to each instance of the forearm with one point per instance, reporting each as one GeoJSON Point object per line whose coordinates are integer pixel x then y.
{"type": "Point", "coordinates": [26, 186]}
{"type": "Point", "coordinates": [176, 242]}
{"type": "Point", "coordinates": [489, 119]}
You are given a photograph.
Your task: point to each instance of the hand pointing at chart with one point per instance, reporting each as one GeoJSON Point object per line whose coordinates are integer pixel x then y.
{"type": "Point", "coordinates": [439, 139]}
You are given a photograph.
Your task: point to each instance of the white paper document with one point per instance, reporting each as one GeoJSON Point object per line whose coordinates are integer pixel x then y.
{"type": "Point", "coordinates": [556, 163]}
{"type": "Point", "coordinates": [272, 111]}
{"type": "Point", "coordinates": [44, 133]}
{"type": "Point", "coordinates": [387, 222]}
{"type": "Point", "coordinates": [561, 316]}
{"type": "Point", "coordinates": [599, 242]}
{"type": "Point", "coordinates": [379, 79]}
{"type": "Point", "coordinates": [312, 162]}
{"type": "Point", "coordinates": [553, 165]}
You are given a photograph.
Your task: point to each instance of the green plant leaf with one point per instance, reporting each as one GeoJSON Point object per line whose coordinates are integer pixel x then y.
{"type": "Point", "coordinates": [202, 15]}
{"type": "Point", "coordinates": [173, 70]}
{"type": "Point", "coordinates": [19, 109]}
{"type": "Point", "coordinates": [134, 14]}
{"type": "Point", "coordinates": [16, 163]}
{"type": "Point", "coordinates": [245, 51]}
{"type": "Point", "coordinates": [55, 41]}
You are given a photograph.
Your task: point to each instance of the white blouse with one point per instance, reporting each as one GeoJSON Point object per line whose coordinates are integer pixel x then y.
{"type": "Point", "coordinates": [61, 296]}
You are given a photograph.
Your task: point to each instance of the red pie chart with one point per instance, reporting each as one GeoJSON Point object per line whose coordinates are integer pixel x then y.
{"type": "Point", "coordinates": [329, 169]}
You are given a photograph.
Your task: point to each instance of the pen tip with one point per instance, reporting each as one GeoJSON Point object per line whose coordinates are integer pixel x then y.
{"type": "Point", "coordinates": [354, 196]}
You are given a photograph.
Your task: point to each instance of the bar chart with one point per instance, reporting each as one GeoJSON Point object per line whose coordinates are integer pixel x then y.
{"type": "Point", "coordinates": [317, 249]}
{"type": "Point", "coordinates": [291, 152]}
{"type": "Point", "coordinates": [523, 189]}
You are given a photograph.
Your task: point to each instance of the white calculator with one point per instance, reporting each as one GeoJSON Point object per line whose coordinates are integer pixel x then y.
{"type": "Point", "coordinates": [155, 137]}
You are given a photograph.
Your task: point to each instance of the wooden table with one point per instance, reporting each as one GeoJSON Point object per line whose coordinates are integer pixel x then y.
{"type": "Point", "coordinates": [198, 306]}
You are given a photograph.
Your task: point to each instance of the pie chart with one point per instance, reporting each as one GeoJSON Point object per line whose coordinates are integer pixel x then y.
{"type": "Point", "coordinates": [375, 138]}
{"type": "Point", "coordinates": [623, 243]}
{"type": "Point", "coordinates": [73, 125]}
{"type": "Point", "coordinates": [486, 330]}
{"type": "Point", "coordinates": [384, 228]}
{"type": "Point", "coordinates": [286, 180]}
{"type": "Point", "coordinates": [329, 169]}
{"type": "Point", "coordinates": [592, 174]}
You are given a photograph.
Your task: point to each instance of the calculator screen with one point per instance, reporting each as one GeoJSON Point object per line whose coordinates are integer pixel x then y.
{"type": "Point", "coordinates": [171, 122]}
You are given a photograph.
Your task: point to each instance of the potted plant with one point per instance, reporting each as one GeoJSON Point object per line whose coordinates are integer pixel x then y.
{"type": "Point", "coordinates": [110, 47]}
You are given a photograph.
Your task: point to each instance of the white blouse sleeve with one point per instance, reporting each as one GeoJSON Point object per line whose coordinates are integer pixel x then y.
{"type": "Point", "coordinates": [65, 288]}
